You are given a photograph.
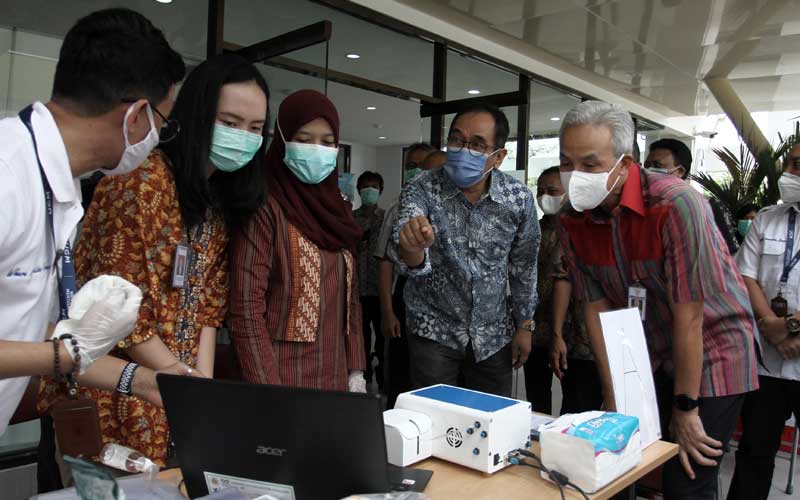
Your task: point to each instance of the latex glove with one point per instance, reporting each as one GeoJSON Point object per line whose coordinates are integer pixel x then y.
{"type": "Point", "coordinates": [356, 381]}
{"type": "Point", "coordinates": [102, 313]}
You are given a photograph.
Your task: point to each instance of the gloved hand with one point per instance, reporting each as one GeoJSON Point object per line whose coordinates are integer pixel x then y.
{"type": "Point", "coordinates": [102, 313]}
{"type": "Point", "coordinates": [356, 381]}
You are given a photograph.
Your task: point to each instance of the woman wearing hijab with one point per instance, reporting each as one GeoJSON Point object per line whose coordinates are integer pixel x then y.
{"type": "Point", "coordinates": [294, 316]}
{"type": "Point", "coordinates": [165, 227]}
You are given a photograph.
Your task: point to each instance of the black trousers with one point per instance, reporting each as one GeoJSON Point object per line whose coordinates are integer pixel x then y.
{"type": "Point", "coordinates": [397, 372]}
{"type": "Point", "coordinates": [719, 416]}
{"type": "Point", "coordinates": [371, 321]}
{"type": "Point", "coordinates": [764, 415]}
{"type": "Point", "coordinates": [432, 363]}
{"type": "Point", "coordinates": [539, 380]}
{"type": "Point", "coordinates": [581, 387]}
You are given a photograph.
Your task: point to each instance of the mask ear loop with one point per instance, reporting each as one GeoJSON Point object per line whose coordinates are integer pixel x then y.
{"type": "Point", "coordinates": [612, 169]}
{"type": "Point", "coordinates": [278, 123]}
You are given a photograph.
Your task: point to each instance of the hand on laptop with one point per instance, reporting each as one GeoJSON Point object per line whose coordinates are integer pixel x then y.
{"type": "Point", "coordinates": [145, 385]}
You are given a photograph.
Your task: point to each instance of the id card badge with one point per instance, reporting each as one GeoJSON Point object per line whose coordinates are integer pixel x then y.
{"type": "Point", "coordinates": [637, 297]}
{"type": "Point", "coordinates": [77, 426]}
{"type": "Point", "coordinates": [180, 266]}
{"type": "Point", "coordinates": [779, 306]}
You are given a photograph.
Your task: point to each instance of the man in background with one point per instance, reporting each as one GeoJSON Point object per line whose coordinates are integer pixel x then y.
{"type": "Point", "coordinates": [672, 157]}
{"type": "Point", "coordinates": [370, 217]}
{"type": "Point", "coordinates": [393, 316]}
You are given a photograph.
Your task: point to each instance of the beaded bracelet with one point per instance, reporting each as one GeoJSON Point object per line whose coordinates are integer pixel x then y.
{"type": "Point", "coordinates": [72, 378]}
{"type": "Point", "coordinates": [56, 360]}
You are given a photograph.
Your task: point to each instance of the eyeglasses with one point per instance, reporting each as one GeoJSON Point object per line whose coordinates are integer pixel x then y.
{"type": "Point", "coordinates": [169, 128]}
{"type": "Point", "coordinates": [474, 148]}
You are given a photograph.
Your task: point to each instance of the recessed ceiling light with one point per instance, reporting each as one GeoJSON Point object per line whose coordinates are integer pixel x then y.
{"type": "Point", "coordinates": [473, 91]}
{"type": "Point", "coordinates": [555, 119]}
{"type": "Point", "coordinates": [353, 56]}
{"type": "Point", "coordinates": [371, 108]}
{"type": "Point", "coordinates": [381, 137]}
{"type": "Point", "coordinates": [164, 1]}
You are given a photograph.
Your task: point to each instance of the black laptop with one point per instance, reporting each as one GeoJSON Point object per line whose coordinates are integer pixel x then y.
{"type": "Point", "coordinates": [284, 442]}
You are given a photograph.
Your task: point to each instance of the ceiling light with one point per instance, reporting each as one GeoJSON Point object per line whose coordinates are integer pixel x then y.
{"type": "Point", "coordinates": [473, 92]}
{"type": "Point", "coordinates": [371, 108]}
{"type": "Point", "coordinates": [381, 137]}
{"type": "Point", "coordinates": [555, 119]}
{"type": "Point", "coordinates": [353, 56]}
{"type": "Point", "coordinates": [164, 1]}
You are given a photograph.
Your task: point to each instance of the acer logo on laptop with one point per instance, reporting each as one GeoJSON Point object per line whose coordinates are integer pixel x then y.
{"type": "Point", "coordinates": [268, 450]}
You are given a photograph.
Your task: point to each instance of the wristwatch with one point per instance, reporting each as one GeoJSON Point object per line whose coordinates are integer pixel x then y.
{"type": "Point", "coordinates": [793, 325]}
{"type": "Point", "coordinates": [684, 403]}
{"type": "Point", "coordinates": [528, 325]}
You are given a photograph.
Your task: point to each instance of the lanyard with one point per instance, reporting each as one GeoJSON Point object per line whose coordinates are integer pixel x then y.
{"type": "Point", "coordinates": [788, 261]}
{"type": "Point", "coordinates": [67, 285]}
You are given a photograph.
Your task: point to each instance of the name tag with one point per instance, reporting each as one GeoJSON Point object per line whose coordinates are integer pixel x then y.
{"type": "Point", "coordinates": [637, 297]}
{"type": "Point", "coordinates": [180, 266]}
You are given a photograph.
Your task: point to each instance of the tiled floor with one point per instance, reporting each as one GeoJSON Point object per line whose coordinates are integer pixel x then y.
{"type": "Point", "coordinates": [778, 479]}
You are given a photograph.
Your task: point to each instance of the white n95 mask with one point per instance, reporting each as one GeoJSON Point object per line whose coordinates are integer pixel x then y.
{"type": "Point", "coordinates": [587, 191]}
{"type": "Point", "coordinates": [135, 154]}
{"type": "Point", "coordinates": [789, 186]}
{"type": "Point", "coordinates": [550, 204]}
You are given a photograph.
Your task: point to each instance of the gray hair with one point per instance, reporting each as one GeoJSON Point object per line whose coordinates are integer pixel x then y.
{"type": "Point", "coordinates": [599, 113]}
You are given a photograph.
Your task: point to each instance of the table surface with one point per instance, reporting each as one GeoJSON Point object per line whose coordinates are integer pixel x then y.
{"type": "Point", "coordinates": [455, 481]}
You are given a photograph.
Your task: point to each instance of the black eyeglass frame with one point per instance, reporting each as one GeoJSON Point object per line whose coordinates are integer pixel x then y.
{"type": "Point", "coordinates": [167, 125]}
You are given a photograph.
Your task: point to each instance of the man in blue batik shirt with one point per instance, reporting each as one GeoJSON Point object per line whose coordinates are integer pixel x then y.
{"type": "Point", "coordinates": [465, 236]}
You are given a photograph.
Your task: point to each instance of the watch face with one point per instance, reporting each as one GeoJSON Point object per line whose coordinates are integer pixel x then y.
{"type": "Point", "coordinates": [793, 324]}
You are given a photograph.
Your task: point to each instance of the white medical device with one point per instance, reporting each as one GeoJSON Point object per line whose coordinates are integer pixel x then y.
{"type": "Point", "coordinates": [467, 427]}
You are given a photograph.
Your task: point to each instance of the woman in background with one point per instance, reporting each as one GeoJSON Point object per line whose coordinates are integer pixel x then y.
{"type": "Point", "coordinates": [295, 317]}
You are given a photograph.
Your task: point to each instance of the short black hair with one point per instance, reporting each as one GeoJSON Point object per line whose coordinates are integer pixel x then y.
{"type": "Point", "coordinates": [237, 194]}
{"type": "Point", "coordinates": [501, 129]}
{"type": "Point", "coordinates": [417, 146]}
{"type": "Point", "coordinates": [370, 176]}
{"type": "Point", "coordinates": [743, 211]}
{"type": "Point", "coordinates": [112, 55]}
{"type": "Point", "coordinates": [550, 171]}
{"type": "Point", "coordinates": [680, 153]}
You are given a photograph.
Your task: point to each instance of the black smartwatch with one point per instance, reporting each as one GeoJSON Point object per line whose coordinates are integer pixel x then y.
{"type": "Point", "coordinates": [792, 325]}
{"type": "Point", "coordinates": [684, 403]}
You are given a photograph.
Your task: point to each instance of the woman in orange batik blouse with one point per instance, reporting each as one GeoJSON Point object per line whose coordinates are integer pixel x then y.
{"type": "Point", "coordinates": [165, 227]}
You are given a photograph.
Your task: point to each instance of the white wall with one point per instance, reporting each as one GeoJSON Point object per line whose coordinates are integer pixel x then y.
{"type": "Point", "coordinates": [390, 165]}
{"type": "Point", "coordinates": [27, 74]}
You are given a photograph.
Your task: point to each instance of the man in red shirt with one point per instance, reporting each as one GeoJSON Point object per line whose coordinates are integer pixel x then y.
{"type": "Point", "coordinates": [633, 233]}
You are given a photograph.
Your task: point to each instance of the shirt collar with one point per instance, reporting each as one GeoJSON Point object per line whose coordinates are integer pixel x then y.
{"type": "Point", "coordinates": [53, 155]}
{"type": "Point", "coordinates": [449, 188]}
{"type": "Point", "coordinates": [632, 195]}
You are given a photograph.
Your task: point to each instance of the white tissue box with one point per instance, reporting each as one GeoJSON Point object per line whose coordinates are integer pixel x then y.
{"type": "Point", "coordinates": [592, 448]}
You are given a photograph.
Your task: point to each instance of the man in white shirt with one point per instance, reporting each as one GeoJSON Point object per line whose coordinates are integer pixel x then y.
{"type": "Point", "coordinates": [768, 262]}
{"type": "Point", "coordinates": [114, 82]}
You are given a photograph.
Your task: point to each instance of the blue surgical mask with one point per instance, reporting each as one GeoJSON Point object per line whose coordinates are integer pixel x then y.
{"type": "Point", "coordinates": [464, 168]}
{"type": "Point", "coordinates": [231, 148]}
{"type": "Point", "coordinates": [369, 196]}
{"type": "Point", "coordinates": [311, 163]}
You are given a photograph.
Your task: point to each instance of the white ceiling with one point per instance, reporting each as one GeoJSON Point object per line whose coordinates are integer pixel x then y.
{"type": "Point", "coordinates": [386, 57]}
{"type": "Point", "coordinates": [662, 49]}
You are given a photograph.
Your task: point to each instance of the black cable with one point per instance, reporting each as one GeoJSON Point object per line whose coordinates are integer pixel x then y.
{"type": "Point", "coordinates": [561, 480]}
